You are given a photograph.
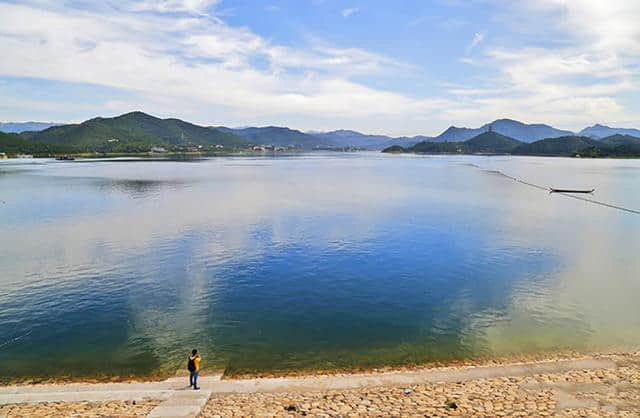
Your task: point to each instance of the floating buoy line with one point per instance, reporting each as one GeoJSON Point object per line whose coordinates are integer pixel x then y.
{"type": "Point", "coordinates": [547, 189]}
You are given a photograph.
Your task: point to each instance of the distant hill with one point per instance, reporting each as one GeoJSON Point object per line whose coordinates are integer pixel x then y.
{"type": "Point", "coordinates": [621, 145]}
{"type": "Point", "coordinates": [393, 149]}
{"type": "Point", "coordinates": [455, 134]}
{"type": "Point", "coordinates": [17, 127]}
{"type": "Point", "coordinates": [492, 142]}
{"type": "Point", "coordinates": [405, 141]}
{"type": "Point", "coordinates": [428, 147]}
{"type": "Point", "coordinates": [511, 128]}
{"type": "Point", "coordinates": [348, 138]}
{"type": "Point", "coordinates": [132, 132]}
{"type": "Point", "coordinates": [495, 143]}
{"type": "Point", "coordinates": [11, 143]}
{"type": "Point", "coordinates": [277, 136]}
{"type": "Point", "coordinates": [598, 131]}
{"type": "Point", "coordinates": [485, 143]}
{"type": "Point", "coordinates": [566, 145]}
{"type": "Point", "coordinates": [616, 140]}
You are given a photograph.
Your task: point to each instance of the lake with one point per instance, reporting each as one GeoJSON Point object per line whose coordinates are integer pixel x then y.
{"type": "Point", "coordinates": [311, 261]}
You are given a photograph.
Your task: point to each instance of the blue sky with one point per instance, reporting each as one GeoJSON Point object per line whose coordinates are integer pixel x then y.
{"type": "Point", "coordinates": [401, 67]}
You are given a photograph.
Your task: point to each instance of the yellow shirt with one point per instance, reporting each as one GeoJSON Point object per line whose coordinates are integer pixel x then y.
{"type": "Point", "coordinates": [196, 361]}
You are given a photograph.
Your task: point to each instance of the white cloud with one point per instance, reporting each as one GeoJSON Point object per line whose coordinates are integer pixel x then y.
{"type": "Point", "coordinates": [350, 11]}
{"type": "Point", "coordinates": [179, 58]}
{"type": "Point", "coordinates": [193, 59]}
{"type": "Point", "coordinates": [571, 83]}
{"type": "Point", "coordinates": [191, 6]}
{"type": "Point", "coordinates": [607, 24]}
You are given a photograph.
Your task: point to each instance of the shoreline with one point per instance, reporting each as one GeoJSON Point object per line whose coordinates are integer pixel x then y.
{"type": "Point", "coordinates": [88, 156]}
{"type": "Point", "coordinates": [222, 374]}
{"type": "Point", "coordinates": [591, 385]}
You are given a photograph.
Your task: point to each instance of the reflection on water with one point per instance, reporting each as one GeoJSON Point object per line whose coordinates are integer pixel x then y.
{"type": "Point", "coordinates": [321, 260]}
{"type": "Point", "coordinates": [137, 189]}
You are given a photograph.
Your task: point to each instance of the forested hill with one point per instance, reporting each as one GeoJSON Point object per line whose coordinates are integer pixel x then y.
{"type": "Point", "coordinates": [278, 136]}
{"type": "Point", "coordinates": [494, 143]}
{"type": "Point", "coordinates": [131, 132]}
{"type": "Point", "coordinates": [565, 145]}
{"type": "Point", "coordinates": [485, 143]}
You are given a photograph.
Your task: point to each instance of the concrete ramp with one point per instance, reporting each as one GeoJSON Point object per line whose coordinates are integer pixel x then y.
{"type": "Point", "coordinates": [182, 404]}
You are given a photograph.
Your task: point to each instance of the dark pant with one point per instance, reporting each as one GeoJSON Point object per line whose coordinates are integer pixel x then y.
{"type": "Point", "coordinates": [193, 379]}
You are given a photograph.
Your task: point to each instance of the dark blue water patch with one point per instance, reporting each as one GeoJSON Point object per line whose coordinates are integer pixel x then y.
{"type": "Point", "coordinates": [81, 330]}
{"type": "Point", "coordinates": [379, 297]}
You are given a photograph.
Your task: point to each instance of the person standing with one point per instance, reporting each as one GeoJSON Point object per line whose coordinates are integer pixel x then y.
{"type": "Point", "coordinates": [193, 365]}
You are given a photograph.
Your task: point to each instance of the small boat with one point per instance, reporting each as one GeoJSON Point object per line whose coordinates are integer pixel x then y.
{"type": "Point", "coordinates": [552, 190]}
{"type": "Point", "coordinates": [65, 158]}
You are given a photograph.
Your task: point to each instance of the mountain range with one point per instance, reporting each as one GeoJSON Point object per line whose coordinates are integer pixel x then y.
{"type": "Point", "coordinates": [355, 139]}
{"type": "Point", "coordinates": [139, 132]}
{"type": "Point", "coordinates": [278, 136]}
{"type": "Point", "coordinates": [491, 142]}
{"type": "Point", "coordinates": [508, 127]}
{"type": "Point", "coordinates": [601, 131]}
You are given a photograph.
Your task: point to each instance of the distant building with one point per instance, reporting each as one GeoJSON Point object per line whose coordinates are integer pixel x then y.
{"type": "Point", "coordinates": [158, 149]}
{"type": "Point", "coordinates": [263, 148]}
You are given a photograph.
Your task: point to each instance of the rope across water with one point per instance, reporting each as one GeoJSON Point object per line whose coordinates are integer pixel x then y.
{"type": "Point", "coordinates": [585, 199]}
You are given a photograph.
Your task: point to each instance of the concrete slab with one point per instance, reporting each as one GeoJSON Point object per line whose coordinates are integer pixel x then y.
{"type": "Point", "coordinates": [182, 400]}
{"type": "Point", "coordinates": [182, 403]}
{"type": "Point", "coordinates": [88, 387]}
{"type": "Point", "coordinates": [182, 411]}
{"type": "Point", "coordinates": [93, 396]}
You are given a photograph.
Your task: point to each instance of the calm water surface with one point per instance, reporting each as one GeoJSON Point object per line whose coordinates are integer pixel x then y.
{"type": "Point", "coordinates": [310, 261]}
